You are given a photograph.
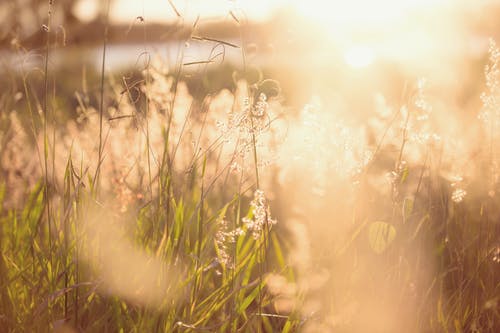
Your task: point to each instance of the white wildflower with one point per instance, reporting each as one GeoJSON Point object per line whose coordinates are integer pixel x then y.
{"type": "Point", "coordinates": [261, 215]}
{"type": "Point", "coordinates": [458, 195]}
{"type": "Point", "coordinates": [224, 238]}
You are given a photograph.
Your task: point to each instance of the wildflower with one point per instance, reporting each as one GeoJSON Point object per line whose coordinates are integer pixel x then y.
{"type": "Point", "coordinates": [244, 130]}
{"type": "Point", "coordinates": [261, 106]}
{"type": "Point", "coordinates": [490, 98]}
{"type": "Point", "coordinates": [458, 193]}
{"type": "Point", "coordinates": [419, 127]}
{"type": "Point", "coordinates": [235, 168]}
{"type": "Point", "coordinates": [224, 238]}
{"type": "Point", "coordinates": [496, 254]}
{"type": "Point", "coordinates": [423, 107]}
{"type": "Point", "coordinates": [490, 113]}
{"type": "Point", "coordinates": [261, 215]}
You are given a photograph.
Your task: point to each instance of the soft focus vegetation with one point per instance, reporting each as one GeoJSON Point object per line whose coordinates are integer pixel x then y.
{"type": "Point", "coordinates": [185, 194]}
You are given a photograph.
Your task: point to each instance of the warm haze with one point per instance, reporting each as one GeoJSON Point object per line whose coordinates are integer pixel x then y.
{"type": "Point", "coordinates": [249, 166]}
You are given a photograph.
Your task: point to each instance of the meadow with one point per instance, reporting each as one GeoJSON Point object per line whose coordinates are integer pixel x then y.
{"type": "Point", "coordinates": [188, 195]}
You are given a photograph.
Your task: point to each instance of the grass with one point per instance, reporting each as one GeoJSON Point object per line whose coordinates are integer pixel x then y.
{"type": "Point", "coordinates": [154, 208]}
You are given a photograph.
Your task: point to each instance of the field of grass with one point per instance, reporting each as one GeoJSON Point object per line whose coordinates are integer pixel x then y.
{"type": "Point", "coordinates": [157, 200]}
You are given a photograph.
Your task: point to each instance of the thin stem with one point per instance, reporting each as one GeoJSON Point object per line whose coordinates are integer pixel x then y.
{"type": "Point", "coordinates": [46, 136]}
{"type": "Point", "coordinates": [255, 160]}
{"type": "Point", "coordinates": [101, 105]}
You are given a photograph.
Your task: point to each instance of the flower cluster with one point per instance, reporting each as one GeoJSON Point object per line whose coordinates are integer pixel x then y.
{"type": "Point", "coordinates": [261, 218]}
{"type": "Point", "coordinates": [490, 113]}
{"type": "Point", "coordinates": [491, 98]}
{"type": "Point", "coordinates": [224, 238]}
{"type": "Point", "coordinates": [246, 128]}
{"type": "Point", "coordinates": [459, 192]}
{"type": "Point", "coordinates": [249, 123]}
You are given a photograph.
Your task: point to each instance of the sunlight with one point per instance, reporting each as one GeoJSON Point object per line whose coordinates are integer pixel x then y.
{"type": "Point", "coordinates": [249, 165]}
{"type": "Point", "coordinates": [413, 32]}
{"type": "Point", "coordinates": [359, 56]}
{"type": "Point", "coordinates": [86, 10]}
{"type": "Point", "coordinates": [340, 16]}
{"type": "Point", "coordinates": [161, 11]}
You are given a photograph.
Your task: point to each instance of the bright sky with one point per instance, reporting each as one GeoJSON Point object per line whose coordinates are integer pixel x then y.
{"type": "Point", "coordinates": [337, 13]}
{"type": "Point", "coordinates": [161, 10]}
{"type": "Point", "coordinates": [386, 27]}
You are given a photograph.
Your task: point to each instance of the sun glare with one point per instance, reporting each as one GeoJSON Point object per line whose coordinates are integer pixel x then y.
{"type": "Point", "coordinates": [386, 26]}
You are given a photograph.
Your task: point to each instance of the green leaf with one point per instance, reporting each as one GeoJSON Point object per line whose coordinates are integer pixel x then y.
{"type": "Point", "coordinates": [280, 257]}
{"type": "Point", "coordinates": [407, 208]}
{"type": "Point", "coordinates": [381, 235]}
{"type": "Point", "coordinates": [404, 175]}
{"type": "Point", "coordinates": [2, 195]}
{"type": "Point", "coordinates": [288, 326]}
{"type": "Point", "coordinates": [248, 299]}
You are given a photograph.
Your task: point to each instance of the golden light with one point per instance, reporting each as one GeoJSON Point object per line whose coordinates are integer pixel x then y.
{"type": "Point", "coordinates": [411, 32]}
{"type": "Point", "coordinates": [161, 11]}
{"type": "Point", "coordinates": [86, 10]}
{"type": "Point", "coordinates": [339, 16]}
{"type": "Point", "coordinates": [359, 56]}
